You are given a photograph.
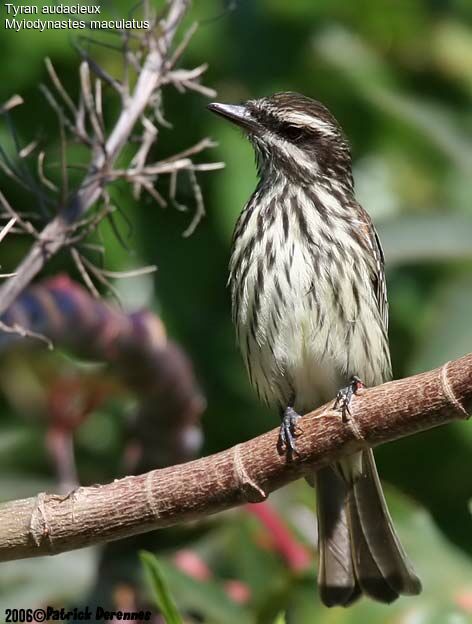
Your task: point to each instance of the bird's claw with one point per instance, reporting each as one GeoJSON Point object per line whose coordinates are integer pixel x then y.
{"type": "Point", "coordinates": [344, 397]}
{"type": "Point", "coordinates": [289, 430]}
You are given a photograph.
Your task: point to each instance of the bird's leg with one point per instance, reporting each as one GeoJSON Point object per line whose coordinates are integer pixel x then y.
{"type": "Point", "coordinates": [288, 430]}
{"type": "Point", "coordinates": [344, 397]}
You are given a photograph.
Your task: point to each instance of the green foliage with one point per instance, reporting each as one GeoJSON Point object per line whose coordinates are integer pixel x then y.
{"type": "Point", "coordinates": [206, 598]}
{"type": "Point", "coordinates": [159, 588]}
{"type": "Point", "coordinates": [233, 549]}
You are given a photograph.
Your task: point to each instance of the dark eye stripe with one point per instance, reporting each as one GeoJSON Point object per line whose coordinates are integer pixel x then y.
{"type": "Point", "coordinates": [292, 133]}
{"type": "Point", "coordinates": [285, 129]}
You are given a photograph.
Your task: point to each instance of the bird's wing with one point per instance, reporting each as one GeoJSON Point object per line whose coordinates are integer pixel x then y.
{"type": "Point", "coordinates": [377, 276]}
{"type": "Point", "coordinates": [380, 283]}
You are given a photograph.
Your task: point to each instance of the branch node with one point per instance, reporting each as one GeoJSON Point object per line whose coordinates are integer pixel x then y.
{"type": "Point", "coordinates": [39, 527]}
{"type": "Point", "coordinates": [449, 392]}
{"type": "Point", "coordinates": [150, 498]}
{"type": "Point", "coordinates": [253, 493]}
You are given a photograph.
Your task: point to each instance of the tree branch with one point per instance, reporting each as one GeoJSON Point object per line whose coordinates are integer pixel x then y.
{"type": "Point", "coordinates": [48, 524]}
{"type": "Point", "coordinates": [55, 235]}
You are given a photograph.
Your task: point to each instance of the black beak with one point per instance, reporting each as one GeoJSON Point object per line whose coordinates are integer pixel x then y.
{"type": "Point", "coordinates": [238, 114]}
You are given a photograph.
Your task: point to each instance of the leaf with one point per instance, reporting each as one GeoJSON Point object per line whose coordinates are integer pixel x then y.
{"type": "Point", "coordinates": [280, 619]}
{"type": "Point", "coordinates": [426, 238]}
{"type": "Point", "coordinates": [449, 335]}
{"type": "Point", "coordinates": [452, 50]}
{"type": "Point", "coordinates": [204, 597]}
{"type": "Point", "coordinates": [433, 120]}
{"type": "Point", "coordinates": [375, 81]}
{"type": "Point", "coordinates": [159, 588]}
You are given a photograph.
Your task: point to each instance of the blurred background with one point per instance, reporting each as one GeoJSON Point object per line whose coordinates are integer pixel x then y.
{"type": "Point", "coordinates": [398, 77]}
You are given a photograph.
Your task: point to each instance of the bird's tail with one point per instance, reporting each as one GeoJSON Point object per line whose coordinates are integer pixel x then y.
{"type": "Point", "coordinates": [359, 550]}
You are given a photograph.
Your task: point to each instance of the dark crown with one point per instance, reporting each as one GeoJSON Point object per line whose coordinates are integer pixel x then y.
{"type": "Point", "coordinates": [293, 115]}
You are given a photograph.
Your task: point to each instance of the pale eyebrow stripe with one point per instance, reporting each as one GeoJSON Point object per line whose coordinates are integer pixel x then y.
{"type": "Point", "coordinates": [303, 119]}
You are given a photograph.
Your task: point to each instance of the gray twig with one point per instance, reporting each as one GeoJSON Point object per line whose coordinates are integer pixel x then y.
{"type": "Point", "coordinates": [153, 57]}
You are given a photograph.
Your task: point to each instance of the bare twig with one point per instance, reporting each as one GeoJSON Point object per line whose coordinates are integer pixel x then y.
{"type": "Point", "coordinates": [101, 73]}
{"type": "Point", "coordinates": [25, 333]}
{"type": "Point", "coordinates": [28, 149]}
{"type": "Point", "coordinates": [26, 225]}
{"type": "Point", "coordinates": [186, 79]}
{"type": "Point", "coordinates": [80, 129]}
{"type": "Point", "coordinates": [99, 103]}
{"type": "Point", "coordinates": [59, 87]}
{"type": "Point", "coordinates": [100, 275]}
{"type": "Point", "coordinates": [15, 100]}
{"type": "Point", "coordinates": [145, 270]}
{"type": "Point", "coordinates": [64, 172]}
{"type": "Point", "coordinates": [180, 49]}
{"type": "Point", "coordinates": [90, 105]}
{"type": "Point", "coordinates": [153, 192]}
{"type": "Point", "coordinates": [200, 207]}
{"type": "Point", "coordinates": [85, 122]}
{"type": "Point", "coordinates": [41, 175]}
{"type": "Point", "coordinates": [139, 159]}
{"type": "Point", "coordinates": [85, 226]}
{"type": "Point", "coordinates": [62, 116]}
{"type": "Point", "coordinates": [7, 227]}
{"type": "Point", "coordinates": [49, 524]}
{"type": "Point", "coordinates": [76, 256]}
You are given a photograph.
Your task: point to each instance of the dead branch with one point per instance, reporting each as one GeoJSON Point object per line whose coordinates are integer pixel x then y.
{"type": "Point", "coordinates": [7, 227]}
{"type": "Point", "coordinates": [49, 524]}
{"type": "Point", "coordinates": [85, 123]}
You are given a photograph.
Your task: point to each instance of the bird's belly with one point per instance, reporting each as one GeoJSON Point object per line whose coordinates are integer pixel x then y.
{"type": "Point", "coordinates": [289, 337]}
{"type": "Point", "coordinates": [302, 328]}
{"type": "Point", "coordinates": [315, 375]}
{"type": "Point", "coordinates": [303, 354]}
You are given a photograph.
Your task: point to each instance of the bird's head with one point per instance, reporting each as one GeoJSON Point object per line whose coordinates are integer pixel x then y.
{"type": "Point", "coordinates": [292, 135]}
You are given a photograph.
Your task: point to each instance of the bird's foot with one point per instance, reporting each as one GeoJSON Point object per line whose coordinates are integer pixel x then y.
{"type": "Point", "coordinates": [289, 430]}
{"type": "Point", "coordinates": [344, 397]}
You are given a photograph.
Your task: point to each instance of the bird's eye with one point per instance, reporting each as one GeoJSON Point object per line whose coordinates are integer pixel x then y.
{"type": "Point", "coordinates": [291, 132]}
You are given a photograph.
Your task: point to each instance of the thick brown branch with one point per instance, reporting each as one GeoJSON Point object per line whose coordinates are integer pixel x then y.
{"type": "Point", "coordinates": [50, 524]}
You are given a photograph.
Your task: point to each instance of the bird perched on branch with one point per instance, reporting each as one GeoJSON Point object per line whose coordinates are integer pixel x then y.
{"type": "Point", "coordinates": [309, 305]}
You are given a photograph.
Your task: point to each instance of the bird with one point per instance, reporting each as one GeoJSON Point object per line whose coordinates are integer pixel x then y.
{"type": "Point", "coordinates": [309, 305]}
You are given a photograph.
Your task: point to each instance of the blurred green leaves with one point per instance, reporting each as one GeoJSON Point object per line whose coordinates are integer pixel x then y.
{"type": "Point", "coordinates": [204, 597]}
{"type": "Point", "coordinates": [378, 83]}
{"type": "Point", "coordinates": [452, 51]}
{"type": "Point", "coordinates": [159, 588]}
{"type": "Point", "coordinates": [435, 237]}
{"type": "Point", "coordinates": [449, 334]}
{"type": "Point", "coordinates": [236, 547]}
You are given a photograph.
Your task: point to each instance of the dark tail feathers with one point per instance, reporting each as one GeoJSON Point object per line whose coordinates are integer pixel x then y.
{"type": "Point", "coordinates": [359, 550]}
